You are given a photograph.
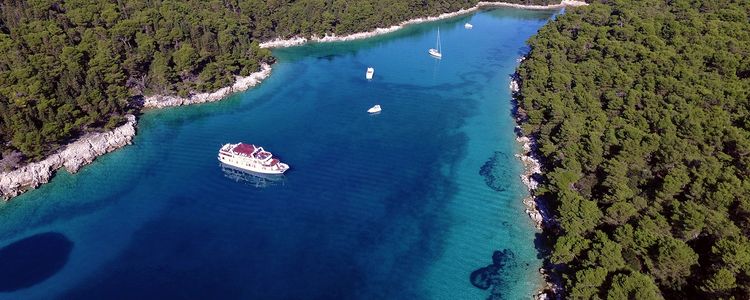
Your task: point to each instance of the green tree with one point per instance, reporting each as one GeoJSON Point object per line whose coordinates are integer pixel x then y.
{"type": "Point", "coordinates": [185, 58]}
{"type": "Point", "coordinates": [720, 284]}
{"type": "Point", "coordinates": [588, 283]}
{"type": "Point", "coordinates": [673, 262]}
{"type": "Point", "coordinates": [633, 286]}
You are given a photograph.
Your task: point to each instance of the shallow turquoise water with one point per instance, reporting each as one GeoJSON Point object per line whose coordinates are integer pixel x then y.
{"type": "Point", "coordinates": [387, 206]}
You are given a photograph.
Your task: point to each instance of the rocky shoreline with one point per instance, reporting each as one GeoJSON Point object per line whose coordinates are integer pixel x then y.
{"type": "Point", "coordinates": [532, 168]}
{"type": "Point", "coordinates": [74, 156]}
{"type": "Point", "coordinates": [296, 41]}
{"type": "Point", "coordinates": [536, 206]}
{"type": "Point", "coordinates": [240, 84]}
{"type": "Point", "coordinates": [562, 4]}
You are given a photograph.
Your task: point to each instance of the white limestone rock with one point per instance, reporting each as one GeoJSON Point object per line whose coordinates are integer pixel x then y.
{"type": "Point", "coordinates": [240, 84]}
{"type": "Point", "coordinates": [72, 157]}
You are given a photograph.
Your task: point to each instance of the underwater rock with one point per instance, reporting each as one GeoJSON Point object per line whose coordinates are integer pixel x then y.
{"type": "Point", "coordinates": [492, 276]}
{"type": "Point", "coordinates": [494, 175]}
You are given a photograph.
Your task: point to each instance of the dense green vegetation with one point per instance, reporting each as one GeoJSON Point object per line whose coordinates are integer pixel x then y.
{"type": "Point", "coordinates": [642, 114]}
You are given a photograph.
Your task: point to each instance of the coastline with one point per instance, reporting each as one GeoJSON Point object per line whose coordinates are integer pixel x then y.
{"type": "Point", "coordinates": [536, 206]}
{"type": "Point", "coordinates": [298, 40]}
{"type": "Point", "coordinates": [73, 156]}
{"type": "Point", "coordinates": [562, 4]}
{"type": "Point", "coordinates": [240, 84]}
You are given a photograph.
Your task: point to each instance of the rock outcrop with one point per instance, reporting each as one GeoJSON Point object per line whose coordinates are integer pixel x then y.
{"type": "Point", "coordinates": [72, 157]}
{"type": "Point", "coordinates": [241, 84]}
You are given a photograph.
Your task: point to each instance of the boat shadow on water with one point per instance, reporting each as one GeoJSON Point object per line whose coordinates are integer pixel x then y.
{"type": "Point", "coordinates": [258, 180]}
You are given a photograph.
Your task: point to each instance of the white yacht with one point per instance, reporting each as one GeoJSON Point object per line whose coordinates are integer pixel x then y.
{"type": "Point", "coordinates": [251, 158]}
{"type": "Point", "coordinates": [468, 26]}
{"type": "Point", "coordinates": [436, 52]}
{"type": "Point", "coordinates": [375, 109]}
{"type": "Point", "coordinates": [370, 72]}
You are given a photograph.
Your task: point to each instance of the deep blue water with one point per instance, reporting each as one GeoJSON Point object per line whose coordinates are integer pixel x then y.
{"type": "Point", "coordinates": [405, 204]}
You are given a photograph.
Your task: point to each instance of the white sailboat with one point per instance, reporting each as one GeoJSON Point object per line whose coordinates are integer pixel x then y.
{"type": "Point", "coordinates": [468, 26]}
{"type": "Point", "coordinates": [370, 72]}
{"type": "Point", "coordinates": [436, 53]}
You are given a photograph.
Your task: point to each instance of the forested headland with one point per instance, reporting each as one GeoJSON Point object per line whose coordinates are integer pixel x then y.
{"type": "Point", "coordinates": [641, 112]}
{"type": "Point", "coordinates": [68, 67]}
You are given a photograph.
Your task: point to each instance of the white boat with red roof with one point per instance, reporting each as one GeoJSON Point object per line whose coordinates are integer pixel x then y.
{"type": "Point", "coordinates": [251, 158]}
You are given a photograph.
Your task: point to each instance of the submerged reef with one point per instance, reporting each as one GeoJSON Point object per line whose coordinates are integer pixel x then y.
{"type": "Point", "coordinates": [495, 175]}
{"type": "Point", "coordinates": [32, 260]}
{"type": "Point", "coordinates": [493, 276]}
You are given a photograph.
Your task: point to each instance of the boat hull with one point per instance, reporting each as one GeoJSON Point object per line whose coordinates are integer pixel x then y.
{"type": "Point", "coordinates": [251, 167]}
{"type": "Point", "coordinates": [239, 172]}
{"type": "Point", "coordinates": [435, 53]}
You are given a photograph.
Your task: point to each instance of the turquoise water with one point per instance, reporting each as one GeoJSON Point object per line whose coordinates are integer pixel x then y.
{"type": "Point", "coordinates": [405, 204]}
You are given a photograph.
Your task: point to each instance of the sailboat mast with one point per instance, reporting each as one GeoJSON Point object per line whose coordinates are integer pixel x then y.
{"type": "Point", "coordinates": [438, 42]}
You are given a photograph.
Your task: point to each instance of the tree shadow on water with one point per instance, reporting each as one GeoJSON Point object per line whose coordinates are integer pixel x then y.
{"type": "Point", "coordinates": [31, 260]}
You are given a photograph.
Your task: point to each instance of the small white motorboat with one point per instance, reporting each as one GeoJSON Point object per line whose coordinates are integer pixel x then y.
{"type": "Point", "coordinates": [370, 72]}
{"type": "Point", "coordinates": [375, 109]}
{"type": "Point", "coordinates": [468, 26]}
